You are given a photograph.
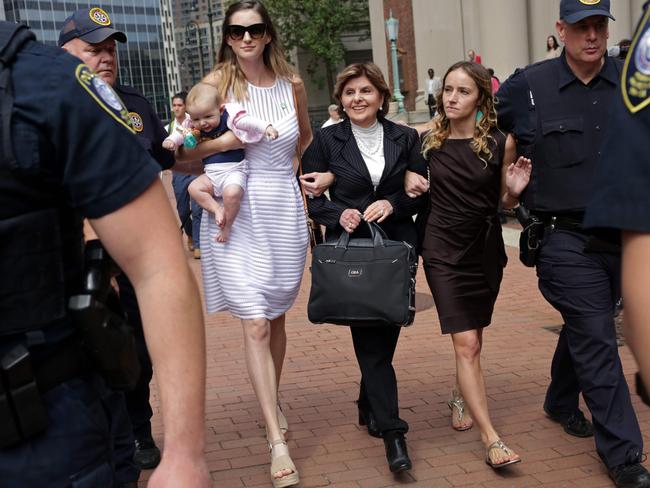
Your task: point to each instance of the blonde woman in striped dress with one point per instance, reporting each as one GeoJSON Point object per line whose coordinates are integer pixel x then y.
{"type": "Point", "coordinates": [256, 274]}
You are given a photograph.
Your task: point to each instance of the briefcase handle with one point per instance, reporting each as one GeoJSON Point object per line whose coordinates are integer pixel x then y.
{"type": "Point", "coordinates": [376, 233]}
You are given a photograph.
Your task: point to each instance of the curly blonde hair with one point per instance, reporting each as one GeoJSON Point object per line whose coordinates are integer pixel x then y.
{"type": "Point", "coordinates": [482, 140]}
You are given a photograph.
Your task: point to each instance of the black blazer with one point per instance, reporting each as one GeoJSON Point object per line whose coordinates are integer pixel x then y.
{"type": "Point", "coordinates": [334, 149]}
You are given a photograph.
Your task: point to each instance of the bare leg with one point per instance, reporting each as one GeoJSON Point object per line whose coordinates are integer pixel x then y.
{"type": "Point", "coordinates": [202, 192]}
{"type": "Point", "coordinates": [467, 348]}
{"type": "Point", "coordinates": [232, 195]}
{"type": "Point", "coordinates": [278, 345]}
{"type": "Point", "coordinates": [278, 349]}
{"type": "Point", "coordinates": [636, 283]}
{"type": "Point", "coordinates": [261, 370]}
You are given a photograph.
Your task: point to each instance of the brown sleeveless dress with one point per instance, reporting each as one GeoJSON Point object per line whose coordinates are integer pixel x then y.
{"type": "Point", "coordinates": [462, 250]}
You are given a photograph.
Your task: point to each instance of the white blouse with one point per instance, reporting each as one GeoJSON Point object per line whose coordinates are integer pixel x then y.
{"type": "Point", "coordinates": [370, 141]}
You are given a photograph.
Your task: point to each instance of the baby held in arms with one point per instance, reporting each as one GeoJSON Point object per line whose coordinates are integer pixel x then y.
{"type": "Point", "coordinates": [208, 117]}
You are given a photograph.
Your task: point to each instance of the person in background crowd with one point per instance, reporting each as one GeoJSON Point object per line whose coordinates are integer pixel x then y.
{"type": "Point", "coordinates": [553, 49]}
{"type": "Point", "coordinates": [473, 57]}
{"type": "Point", "coordinates": [433, 88]}
{"type": "Point", "coordinates": [89, 35]}
{"type": "Point", "coordinates": [335, 118]}
{"type": "Point", "coordinates": [558, 111]}
{"type": "Point", "coordinates": [620, 199]}
{"type": "Point", "coordinates": [189, 212]}
{"type": "Point", "coordinates": [623, 48]}
{"type": "Point", "coordinates": [368, 155]}
{"type": "Point", "coordinates": [72, 154]}
{"type": "Point", "coordinates": [239, 276]}
{"type": "Point", "coordinates": [494, 81]}
{"type": "Point", "coordinates": [473, 168]}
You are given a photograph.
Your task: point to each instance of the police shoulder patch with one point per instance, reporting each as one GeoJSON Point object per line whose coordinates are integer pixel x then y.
{"type": "Point", "coordinates": [635, 79]}
{"type": "Point", "coordinates": [103, 94]}
{"type": "Point", "coordinates": [136, 121]}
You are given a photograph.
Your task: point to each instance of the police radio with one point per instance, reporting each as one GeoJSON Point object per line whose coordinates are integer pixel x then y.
{"type": "Point", "coordinates": [98, 316]}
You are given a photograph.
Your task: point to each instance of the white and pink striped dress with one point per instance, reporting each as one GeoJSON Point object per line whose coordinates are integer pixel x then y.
{"type": "Point", "coordinates": [257, 273]}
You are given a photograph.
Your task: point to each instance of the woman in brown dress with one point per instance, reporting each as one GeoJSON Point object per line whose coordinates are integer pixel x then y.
{"type": "Point", "coordinates": [472, 168]}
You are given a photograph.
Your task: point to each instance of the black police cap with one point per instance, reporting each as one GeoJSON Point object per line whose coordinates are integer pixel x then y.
{"type": "Point", "coordinates": [572, 11]}
{"type": "Point", "coordinates": [93, 25]}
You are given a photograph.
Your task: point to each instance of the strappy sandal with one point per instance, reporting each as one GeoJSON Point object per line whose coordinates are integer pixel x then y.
{"type": "Point", "coordinates": [283, 463]}
{"type": "Point", "coordinates": [457, 407]}
{"type": "Point", "coordinates": [498, 444]}
{"type": "Point", "coordinates": [282, 422]}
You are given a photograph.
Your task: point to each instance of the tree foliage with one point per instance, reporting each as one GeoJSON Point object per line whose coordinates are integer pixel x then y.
{"type": "Point", "coordinates": [316, 26]}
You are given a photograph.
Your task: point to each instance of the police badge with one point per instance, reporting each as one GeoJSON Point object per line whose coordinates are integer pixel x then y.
{"type": "Point", "coordinates": [635, 80]}
{"type": "Point", "coordinates": [136, 121]}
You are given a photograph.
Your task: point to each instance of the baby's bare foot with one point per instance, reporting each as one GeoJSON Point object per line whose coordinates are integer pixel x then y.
{"type": "Point", "coordinates": [223, 234]}
{"type": "Point", "coordinates": [219, 215]}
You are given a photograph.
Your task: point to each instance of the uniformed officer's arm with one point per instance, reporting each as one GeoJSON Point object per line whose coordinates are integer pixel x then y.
{"type": "Point", "coordinates": [515, 106]}
{"type": "Point", "coordinates": [141, 237]}
{"type": "Point", "coordinates": [515, 174]}
{"type": "Point", "coordinates": [223, 143]}
{"type": "Point", "coordinates": [111, 179]}
{"type": "Point", "coordinates": [636, 286]}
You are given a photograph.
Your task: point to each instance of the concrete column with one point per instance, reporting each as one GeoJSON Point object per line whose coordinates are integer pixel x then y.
{"type": "Point", "coordinates": [378, 35]}
{"type": "Point", "coordinates": [472, 27]}
{"type": "Point", "coordinates": [622, 27]}
{"type": "Point", "coordinates": [542, 17]}
{"type": "Point", "coordinates": [636, 7]}
{"type": "Point", "coordinates": [503, 35]}
{"type": "Point", "coordinates": [437, 27]}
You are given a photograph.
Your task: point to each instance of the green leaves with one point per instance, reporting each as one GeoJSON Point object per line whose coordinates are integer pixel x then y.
{"type": "Point", "coordinates": [317, 26]}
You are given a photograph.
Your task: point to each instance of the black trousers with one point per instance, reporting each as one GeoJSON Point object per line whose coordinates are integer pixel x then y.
{"type": "Point", "coordinates": [431, 102]}
{"type": "Point", "coordinates": [584, 288]}
{"type": "Point", "coordinates": [137, 401]}
{"type": "Point", "coordinates": [87, 444]}
{"type": "Point", "coordinates": [374, 348]}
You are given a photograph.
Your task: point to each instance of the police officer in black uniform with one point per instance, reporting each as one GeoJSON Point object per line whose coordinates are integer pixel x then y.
{"type": "Point", "coordinates": [90, 35]}
{"type": "Point", "coordinates": [621, 199]}
{"type": "Point", "coordinates": [67, 151]}
{"type": "Point", "coordinates": [558, 112]}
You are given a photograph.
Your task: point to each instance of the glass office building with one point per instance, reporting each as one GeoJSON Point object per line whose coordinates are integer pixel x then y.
{"type": "Point", "coordinates": [141, 59]}
{"type": "Point", "coordinates": [197, 33]}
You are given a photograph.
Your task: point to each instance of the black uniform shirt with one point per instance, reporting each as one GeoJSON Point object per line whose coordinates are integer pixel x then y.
{"type": "Point", "coordinates": [76, 155]}
{"type": "Point", "coordinates": [621, 198]}
{"type": "Point", "coordinates": [567, 124]}
{"type": "Point", "coordinates": [147, 125]}
{"type": "Point", "coordinates": [68, 124]}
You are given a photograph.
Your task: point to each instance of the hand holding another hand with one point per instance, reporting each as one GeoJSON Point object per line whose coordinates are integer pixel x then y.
{"type": "Point", "coordinates": [415, 184]}
{"type": "Point", "coordinates": [315, 184]}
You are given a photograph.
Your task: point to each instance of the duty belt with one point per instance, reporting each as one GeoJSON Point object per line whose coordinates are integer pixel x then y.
{"type": "Point", "coordinates": [22, 383]}
{"type": "Point", "coordinates": [571, 223]}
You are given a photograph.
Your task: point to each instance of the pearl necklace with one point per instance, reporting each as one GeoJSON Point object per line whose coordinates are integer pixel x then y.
{"type": "Point", "coordinates": [369, 140]}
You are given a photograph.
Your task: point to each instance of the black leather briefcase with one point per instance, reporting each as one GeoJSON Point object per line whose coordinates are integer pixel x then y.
{"type": "Point", "coordinates": [363, 282]}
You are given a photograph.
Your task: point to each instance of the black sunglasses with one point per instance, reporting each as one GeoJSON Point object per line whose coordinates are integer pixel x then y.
{"type": "Point", "coordinates": [237, 32]}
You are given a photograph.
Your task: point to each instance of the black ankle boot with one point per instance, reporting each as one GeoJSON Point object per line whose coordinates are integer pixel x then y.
{"type": "Point", "coordinates": [396, 453]}
{"type": "Point", "coordinates": [367, 418]}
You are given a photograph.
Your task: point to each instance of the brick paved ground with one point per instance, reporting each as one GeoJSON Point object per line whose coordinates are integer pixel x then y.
{"type": "Point", "coordinates": [320, 383]}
